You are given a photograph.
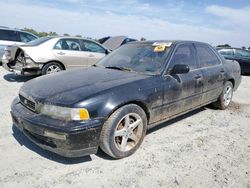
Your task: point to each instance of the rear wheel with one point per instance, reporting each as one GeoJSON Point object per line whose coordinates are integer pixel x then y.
{"type": "Point", "coordinates": [123, 132]}
{"type": "Point", "coordinates": [225, 97]}
{"type": "Point", "coordinates": [51, 68]}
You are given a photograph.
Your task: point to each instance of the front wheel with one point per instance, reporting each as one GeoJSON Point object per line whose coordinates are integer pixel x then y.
{"type": "Point", "coordinates": [123, 132]}
{"type": "Point", "coordinates": [225, 97]}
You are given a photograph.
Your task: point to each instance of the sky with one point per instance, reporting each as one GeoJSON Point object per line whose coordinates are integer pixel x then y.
{"type": "Point", "coordinates": [211, 21]}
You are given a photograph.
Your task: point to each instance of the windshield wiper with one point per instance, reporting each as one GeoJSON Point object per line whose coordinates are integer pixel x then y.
{"type": "Point", "coordinates": [119, 68]}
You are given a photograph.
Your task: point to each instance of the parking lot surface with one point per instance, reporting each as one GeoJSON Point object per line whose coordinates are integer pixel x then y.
{"type": "Point", "coordinates": [204, 148]}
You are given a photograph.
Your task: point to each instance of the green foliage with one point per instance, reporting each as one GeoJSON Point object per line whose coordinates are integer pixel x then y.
{"type": "Point", "coordinates": [40, 34]}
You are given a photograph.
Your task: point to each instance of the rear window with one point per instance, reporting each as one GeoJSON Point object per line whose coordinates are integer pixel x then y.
{"type": "Point", "coordinates": [26, 37]}
{"type": "Point", "coordinates": [226, 52]}
{"type": "Point", "coordinates": [39, 41]}
{"type": "Point", "coordinates": [8, 35]}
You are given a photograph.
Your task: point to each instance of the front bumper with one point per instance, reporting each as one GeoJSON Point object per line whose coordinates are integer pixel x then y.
{"type": "Point", "coordinates": [68, 139]}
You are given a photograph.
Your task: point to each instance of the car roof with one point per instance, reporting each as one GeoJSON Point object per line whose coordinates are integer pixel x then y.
{"type": "Point", "coordinates": [167, 41]}
{"type": "Point", "coordinates": [16, 29]}
{"type": "Point", "coordinates": [218, 48]}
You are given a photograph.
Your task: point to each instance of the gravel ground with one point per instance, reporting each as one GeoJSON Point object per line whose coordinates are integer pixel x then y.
{"type": "Point", "coordinates": [205, 148]}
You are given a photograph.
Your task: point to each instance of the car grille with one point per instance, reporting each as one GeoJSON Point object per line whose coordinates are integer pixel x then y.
{"type": "Point", "coordinates": [28, 103]}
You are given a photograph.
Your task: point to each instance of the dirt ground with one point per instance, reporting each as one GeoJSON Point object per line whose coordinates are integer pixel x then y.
{"type": "Point", "coordinates": [205, 148]}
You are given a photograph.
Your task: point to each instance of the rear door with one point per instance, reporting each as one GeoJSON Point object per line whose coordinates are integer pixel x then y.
{"type": "Point", "coordinates": [69, 52]}
{"type": "Point", "coordinates": [182, 92]}
{"type": "Point", "coordinates": [94, 51]}
{"type": "Point", "coordinates": [212, 70]}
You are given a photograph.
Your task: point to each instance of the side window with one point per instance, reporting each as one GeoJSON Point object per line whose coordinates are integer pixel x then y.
{"type": "Point", "coordinates": [68, 44]}
{"type": "Point", "coordinates": [25, 37]}
{"type": "Point", "coordinates": [206, 56]}
{"type": "Point", "coordinates": [184, 54]}
{"type": "Point", "coordinates": [92, 47]}
{"type": "Point", "coordinates": [242, 53]}
{"type": "Point", "coordinates": [8, 35]}
{"type": "Point", "coordinates": [226, 52]}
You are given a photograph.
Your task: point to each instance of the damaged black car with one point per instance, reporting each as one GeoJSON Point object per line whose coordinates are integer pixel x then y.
{"type": "Point", "coordinates": [112, 104]}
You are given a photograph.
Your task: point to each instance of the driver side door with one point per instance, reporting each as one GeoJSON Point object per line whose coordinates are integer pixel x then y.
{"type": "Point", "coordinates": [182, 92]}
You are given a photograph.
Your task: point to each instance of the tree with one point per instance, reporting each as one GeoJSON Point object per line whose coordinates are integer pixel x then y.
{"type": "Point", "coordinates": [249, 48]}
{"type": "Point", "coordinates": [243, 47]}
{"type": "Point", "coordinates": [143, 39]}
{"type": "Point", "coordinates": [79, 36]}
{"type": "Point", "coordinates": [66, 34]}
{"type": "Point", "coordinates": [40, 34]}
{"type": "Point", "coordinates": [224, 45]}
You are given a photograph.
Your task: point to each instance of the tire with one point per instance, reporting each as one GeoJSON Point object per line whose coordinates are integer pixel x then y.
{"type": "Point", "coordinates": [225, 97]}
{"type": "Point", "coordinates": [51, 67]}
{"type": "Point", "coordinates": [121, 136]}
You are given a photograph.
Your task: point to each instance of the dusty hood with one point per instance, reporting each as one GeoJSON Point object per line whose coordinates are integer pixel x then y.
{"type": "Point", "coordinates": [69, 87]}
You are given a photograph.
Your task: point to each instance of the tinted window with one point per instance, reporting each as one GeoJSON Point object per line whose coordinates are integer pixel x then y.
{"type": "Point", "coordinates": [25, 37]}
{"type": "Point", "coordinates": [8, 35]}
{"type": "Point", "coordinates": [242, 53]}
{"type": "Point", "coordinates": [38, 41]}
{"type": "Point", "coordinates": [92, 47]}
{"type": "Point", "coordinates": [226, 52]}
{"type": "Point", "coordinates": [68, 44]}
{"type": "Point", "coordinates": [206, 56]}
{"type": "Point", "coordinates": [184, 54]}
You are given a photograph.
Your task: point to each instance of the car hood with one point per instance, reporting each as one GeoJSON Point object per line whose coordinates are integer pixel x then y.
{"type": "Point", "coordinates": [69, 87]}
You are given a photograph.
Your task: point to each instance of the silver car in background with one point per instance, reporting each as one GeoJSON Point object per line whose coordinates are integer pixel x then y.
{"type": "Point", "coordinates": [48, 55]}
{"type": "Point", "coordinates": [10, 37]}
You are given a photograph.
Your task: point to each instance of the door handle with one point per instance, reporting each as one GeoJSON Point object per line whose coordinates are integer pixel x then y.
{"type": "Point", "coordinates": [91, 55]}
{"type": "Point", "coordinates": [61, 53]}
{"type": "Point", "coordinates": [222, 71]}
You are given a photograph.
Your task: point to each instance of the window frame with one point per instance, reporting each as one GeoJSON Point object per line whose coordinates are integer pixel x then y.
{"type": "Point", "coordinates": [211, 50]}
{"type": "Point", "coordinates": [73, 39]}
{"type": "Point", "coordinates": [23, 32]}
{"type": "Point", "coordinates": [84, 40]}
{"type": "Point", "coordinates": [169, 64]}
{"type": "Point", "coordinates": [15, 33]}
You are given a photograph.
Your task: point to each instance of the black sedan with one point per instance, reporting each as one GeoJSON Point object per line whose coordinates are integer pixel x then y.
{"type": "Point", "coordinates": [112, 104]}
{"type": "Point", "coordinates": [240, 55]}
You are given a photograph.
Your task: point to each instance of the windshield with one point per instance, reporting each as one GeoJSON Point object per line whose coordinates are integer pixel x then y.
{"type": "Point", "coordinates": [38, 41]}
{"type": "Point", "coordinates": [139, 57]}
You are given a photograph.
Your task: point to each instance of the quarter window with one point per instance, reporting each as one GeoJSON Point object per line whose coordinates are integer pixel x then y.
{"type": "Point", "coordinates": [25, 37]}
{"type": "Point", "coordinates": [68, 44]}
{"type": "Point", "coordinates": [184, 55]}
{"type": "Point", "coordinates": [206, 56]}
{"type": "Point", "coordinates": [92, 47]}
{"type": "Point", "coordinates": [226, 52]}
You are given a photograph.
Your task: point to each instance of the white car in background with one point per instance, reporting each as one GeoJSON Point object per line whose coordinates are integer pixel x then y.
{"type": "Point", "coordinates": [10, 37]}
{"type": "Point", "coordinates": [48, 55]}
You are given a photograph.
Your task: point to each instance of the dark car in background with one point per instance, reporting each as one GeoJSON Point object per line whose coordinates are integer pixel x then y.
{"type": "Point", "coordinates": [113, 103]}
{"type": "Point", "coordinates": [10, 37]}
{"type": "Point", "coordinates": [240, 55]}
{"type": "Point", "coordinates": [115, 42]}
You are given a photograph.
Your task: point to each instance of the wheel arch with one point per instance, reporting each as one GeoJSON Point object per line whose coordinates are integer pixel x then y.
{"type": "Point", "coordinates": [232, 81]}
{"type": "Point", "coordinates": [56, 61]}
{"type": "Point", "coordinates": [136, 102]}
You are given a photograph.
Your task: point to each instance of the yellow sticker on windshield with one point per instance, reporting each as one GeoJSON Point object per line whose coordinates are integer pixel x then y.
{"type": "Point", "coordinates": [159, 48]}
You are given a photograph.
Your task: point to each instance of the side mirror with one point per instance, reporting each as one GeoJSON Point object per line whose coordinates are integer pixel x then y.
{"type": "Point", "coordinates": [107, 51]}
{"type": "Point", "coordinates": [180, 69]}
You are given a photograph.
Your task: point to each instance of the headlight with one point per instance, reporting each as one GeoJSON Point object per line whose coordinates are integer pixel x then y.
{"type": "Point", "coordinates": [65, 113]}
